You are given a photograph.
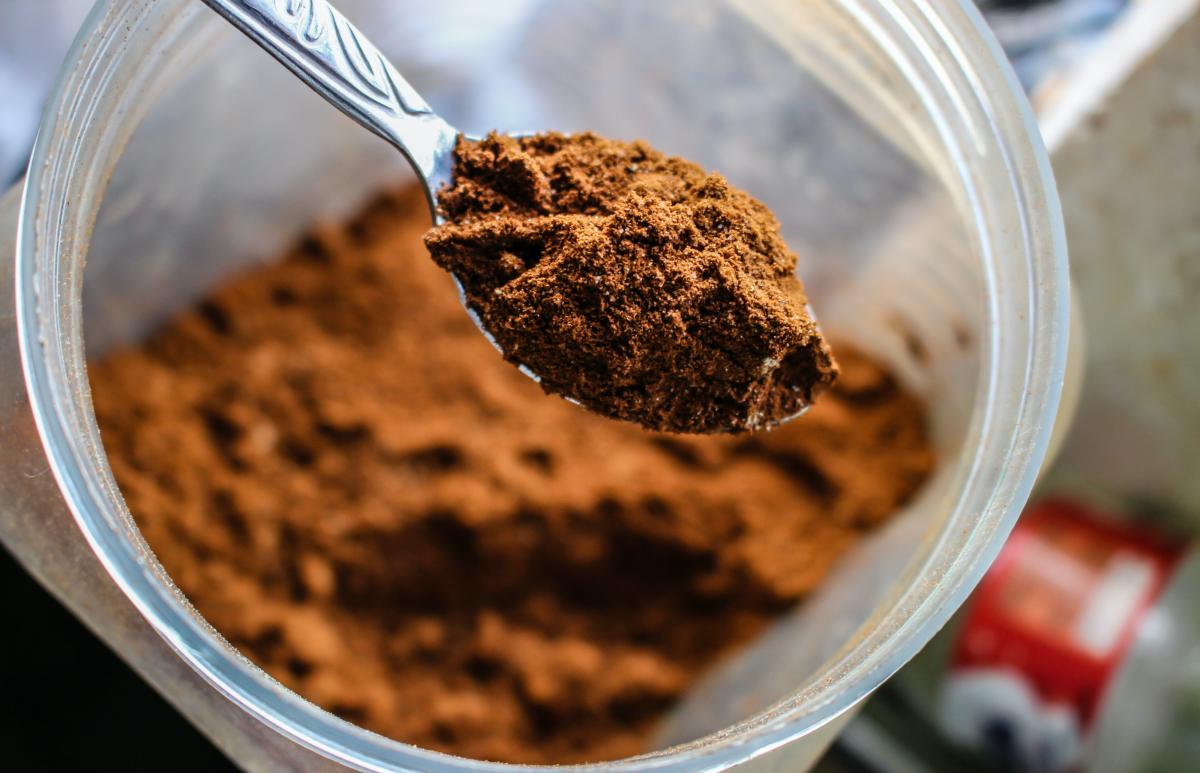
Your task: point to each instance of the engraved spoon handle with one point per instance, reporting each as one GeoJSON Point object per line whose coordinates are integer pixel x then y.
{"type": "Point", "coordinates": [313, 40]}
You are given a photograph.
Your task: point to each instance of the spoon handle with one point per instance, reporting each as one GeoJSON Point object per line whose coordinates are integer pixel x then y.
{"type": "Point", "coordinates": [313, 40]}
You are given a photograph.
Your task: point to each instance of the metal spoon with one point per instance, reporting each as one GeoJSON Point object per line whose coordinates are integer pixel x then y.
{"type": "Point", "coordinates": [317, 43]}
{"type": "Point", "coordinates": [313, 40]}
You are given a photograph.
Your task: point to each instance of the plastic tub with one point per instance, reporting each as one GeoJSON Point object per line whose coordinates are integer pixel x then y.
{"type": "Point", "coordinates": [889, 137]}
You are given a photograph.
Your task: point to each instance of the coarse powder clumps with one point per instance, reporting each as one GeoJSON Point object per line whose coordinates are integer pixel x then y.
{"type": "Point", "coordinates": [635, 283]}
{"type": "Point", "coordinates": [348, 483]}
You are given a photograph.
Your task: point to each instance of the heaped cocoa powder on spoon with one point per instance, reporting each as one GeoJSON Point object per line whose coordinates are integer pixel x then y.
{"type": "Point", "coordinates": [357, 492]}
{"type": "Point", "coordinates": [635, 283]}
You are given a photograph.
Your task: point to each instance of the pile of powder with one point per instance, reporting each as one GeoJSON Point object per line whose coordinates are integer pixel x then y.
{"type": "Point", "coordinates": [348, 483]}
{"type": "Point", "coordinates": [635, 283]}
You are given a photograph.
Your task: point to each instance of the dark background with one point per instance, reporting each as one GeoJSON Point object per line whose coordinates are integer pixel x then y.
{"type": "Point", "coordinates": [68, 703]}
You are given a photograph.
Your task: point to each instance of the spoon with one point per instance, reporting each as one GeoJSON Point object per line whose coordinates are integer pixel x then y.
{"type": "Point", "coordinates": [321, 47]}
{"type": "Point", "coordinates": [316, 42]}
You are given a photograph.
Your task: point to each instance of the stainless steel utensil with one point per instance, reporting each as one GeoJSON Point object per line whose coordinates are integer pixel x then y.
{"type": "Point", "coordinates": [317, 43]}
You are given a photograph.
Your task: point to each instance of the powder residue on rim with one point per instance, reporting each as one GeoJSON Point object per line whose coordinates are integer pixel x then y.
{"type": "Point", "coordinates": [634, 283]}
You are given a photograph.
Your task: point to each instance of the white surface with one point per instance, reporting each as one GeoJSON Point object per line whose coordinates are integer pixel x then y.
{"type": "Point", "coordinates": [1124, 136]}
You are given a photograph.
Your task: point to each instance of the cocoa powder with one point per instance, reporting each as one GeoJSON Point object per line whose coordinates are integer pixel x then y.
{"type": "Point", "coordinates": [348, 483]}
{"type": "Point", "coordinates": [635, 283]}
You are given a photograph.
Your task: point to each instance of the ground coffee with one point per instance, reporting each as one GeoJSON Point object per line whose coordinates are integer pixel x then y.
{"type": "Point", "coordinates": [349, 484]}
{"type": "Point", "coordinates": [637, 284]}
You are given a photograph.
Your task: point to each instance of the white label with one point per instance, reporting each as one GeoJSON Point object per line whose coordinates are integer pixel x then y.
{"type": "Point", "coordinates": [1118, 593]}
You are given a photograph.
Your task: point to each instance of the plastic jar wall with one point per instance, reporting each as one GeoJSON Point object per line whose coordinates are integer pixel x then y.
{"type": "Point", "coordinates": [889, 137]}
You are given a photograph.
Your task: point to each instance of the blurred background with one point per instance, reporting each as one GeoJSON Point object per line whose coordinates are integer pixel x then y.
{"type": "Point", "coordinates": [1042, 37]}
{"type": "Point", "coordinates": [964, 704]}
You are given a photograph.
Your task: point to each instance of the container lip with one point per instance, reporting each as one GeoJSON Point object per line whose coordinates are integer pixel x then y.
{"type": "Point", "coordinates": [41, 329]}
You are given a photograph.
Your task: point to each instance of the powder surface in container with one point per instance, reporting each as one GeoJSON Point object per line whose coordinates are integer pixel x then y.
{"type": "Point", "coordinates": [349, 484]}
{"type": "Point", "coordinates": [635, 283]}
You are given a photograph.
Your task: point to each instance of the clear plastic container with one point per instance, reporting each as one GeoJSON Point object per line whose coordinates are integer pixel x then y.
{"type": "Point", "coordinates": [1015, 690]}
{"type": "Point", "coordinates": [890, 138]}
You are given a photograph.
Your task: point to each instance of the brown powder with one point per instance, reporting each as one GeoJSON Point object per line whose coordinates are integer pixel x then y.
{"type": "Point", "coordinates": [634, 283]}
{"type": "Point", "coordinates": [337, 469]}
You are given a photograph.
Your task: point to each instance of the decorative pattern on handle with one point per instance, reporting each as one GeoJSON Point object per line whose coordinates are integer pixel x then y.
{"type": "Point", "coordinates": [320, 45]}
{"type": "Point", "coordinates": [320, 28]}
{"type": "Point", "coordinates": [316, 43]}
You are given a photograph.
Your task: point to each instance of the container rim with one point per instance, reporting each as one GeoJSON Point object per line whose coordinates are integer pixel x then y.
{"type": "Point", "coordinates": [987, 125]}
